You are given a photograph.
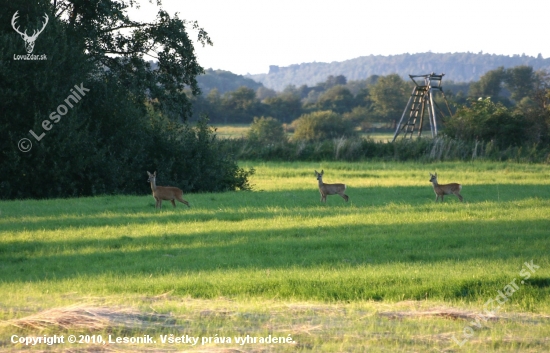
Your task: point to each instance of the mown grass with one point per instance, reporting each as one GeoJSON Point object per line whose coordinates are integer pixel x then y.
{"type": "Point", "coordinates": [248, 259]}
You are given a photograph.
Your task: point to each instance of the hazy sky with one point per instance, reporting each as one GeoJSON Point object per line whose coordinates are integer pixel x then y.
{"type": "Point", "coordinates": [250, 35]}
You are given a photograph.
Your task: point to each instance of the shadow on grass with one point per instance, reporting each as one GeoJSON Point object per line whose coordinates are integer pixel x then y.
{"type": "Point", "coordinates": [303, 247]}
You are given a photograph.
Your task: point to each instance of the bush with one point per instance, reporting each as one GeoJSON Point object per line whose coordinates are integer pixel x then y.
{"type": "Point", "coordinates": [266, 130]}
{"type": "Point", "coordinates": [321, 125]}
{"type": "Point", "coordinates": [487, 121]}
{"type": "Point", "coordinates": [357, 149]}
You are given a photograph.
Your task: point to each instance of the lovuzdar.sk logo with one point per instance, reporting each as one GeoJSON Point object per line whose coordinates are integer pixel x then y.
{"type": "Point", "coordinates": [29, 40]}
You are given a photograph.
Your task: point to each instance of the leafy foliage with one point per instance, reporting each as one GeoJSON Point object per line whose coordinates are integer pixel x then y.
{"type": "Point", "coordinates": [126, 121]}
{"type": "Point", "coordinates": [266, 130]}
{"type": "Point", "coordinates": [224, 81]}
{"type": "Point", "coordinates": [390, 95]}
{"type": "Point", "coordinates": [487, 121]}
{"type": "Point", "coordinates": [337, 98]}
{"type": "Point", "coordinates": [321, 125]}
{"type": "Point", "coordinates": [114, 41]}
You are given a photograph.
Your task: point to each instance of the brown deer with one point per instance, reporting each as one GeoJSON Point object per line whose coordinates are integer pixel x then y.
{"type": "Point", "coordinates": [330, 189]}
{"type": "Point", "coordinates": [165, 192]}
{"type": "Point", "coordinates": [445, 189]}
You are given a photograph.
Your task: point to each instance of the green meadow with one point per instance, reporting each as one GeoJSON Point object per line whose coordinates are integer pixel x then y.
{"type": "Point", "coordinates": [388, 271]}
{"type": "Point", "coordinates": [236, 131]}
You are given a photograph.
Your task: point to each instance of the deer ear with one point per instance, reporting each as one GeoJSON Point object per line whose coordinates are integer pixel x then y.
{"type": "Point", "coordinates": [155, 173]}
{"type": "Point", "coordinates": [435, 175]}
{"type": "Point", "coordinates": [148, 173]}
{"type": "Point", "coordinates": [322, 172]}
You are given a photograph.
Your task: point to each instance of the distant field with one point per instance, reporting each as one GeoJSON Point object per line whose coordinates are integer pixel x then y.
{"type": "Point", "coordinates": [379, 136]}
{"type": "Point", "coordinates": [232, 131]}
{"type": "Point", "coordinates": [389, 271]}
{"type": "Point", "coordinates": [240, 130]}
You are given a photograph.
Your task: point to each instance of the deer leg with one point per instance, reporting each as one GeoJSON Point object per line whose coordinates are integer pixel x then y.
{"type": "Point", "coordinates": [173, 203]}
{"type": "Point", "coordinates": [459, 197]}
{"type": "Point", "coordinates": [345, 197]}
{"type": "Point", "coordinates": [180, 199]}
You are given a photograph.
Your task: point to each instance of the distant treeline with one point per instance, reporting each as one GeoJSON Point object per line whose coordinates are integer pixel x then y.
{"type": "Point", "coordinates": [457, 67]}
{"type": "Point", "coordinates": [364, 102]}
{"type": "Point", "coordinates": [505, 108]}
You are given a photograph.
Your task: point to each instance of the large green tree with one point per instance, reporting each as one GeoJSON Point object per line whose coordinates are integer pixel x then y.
{"type": "Point", "coordinates": [285, 106]}
{"type": "Point", "coordinates": [127, 116]}
{"type": "Point", "coordinates": [124, 46]}
{"type": "Point", "coordinates": [485, 120]}
{"type": "Point", "coordinates": [337, 98]}
{"type": "Point", "coordinates": [389, 96]}
{"type": "Point", "coordinates": [521, 81]}
{"type": "Point", "coordinates": [321, 125]}
{"type": "Point", "coordinates": [489, 85]}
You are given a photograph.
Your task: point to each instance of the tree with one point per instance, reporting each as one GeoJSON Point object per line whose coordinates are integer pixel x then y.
{"type": "Point", "coordinates": [263, 93]}
{"type": "Point", "coordinates": [286, 106]}
{"type": "Point", "coordinates": [266, 130]}
{"type": "Point", "coordinates": [118, 43]}
{"type": "Point", "coordinates": [332, 81]}
{"type": "Point", "coordinates": [338, 99]}
{"type": "Point", "coordinates": [489, 85]}
{"type": "Point", "coordinates": [520, 81]}
{"type": "Point", "coordinates": [389, 96]}
{"type": "Point", "coordinates": [125, 119]}
{"type": "Point", "coordinates": [359, 116]}
{"type": "Point", "coordinates": [486, 121]}
{"type": "Point", "coordinates": [241, 105]}
{"type": "Point", "coordinates": [321, 125]}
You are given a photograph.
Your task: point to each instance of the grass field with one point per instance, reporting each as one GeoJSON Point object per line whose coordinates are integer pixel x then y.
{"type": "Point", "coordinates": [389, 271]}
{"type": "Point", "coordinates": [235, 131]}
{"type": "Point", "coordinates": [232, 130]}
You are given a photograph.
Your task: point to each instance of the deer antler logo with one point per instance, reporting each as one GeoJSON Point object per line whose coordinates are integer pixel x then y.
{"type": "Point", "coordinates": [29, 40]}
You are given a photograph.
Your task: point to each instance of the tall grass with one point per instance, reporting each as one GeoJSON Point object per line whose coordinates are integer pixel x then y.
{"type": "Point", "coordinates": [357, 149]}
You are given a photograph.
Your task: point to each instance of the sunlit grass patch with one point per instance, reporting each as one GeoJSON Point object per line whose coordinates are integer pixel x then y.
{"type": "Point", "coordinates": [278, 260]}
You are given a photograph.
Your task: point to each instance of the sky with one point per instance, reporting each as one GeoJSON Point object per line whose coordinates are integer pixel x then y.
{"type": "Point", "coordinates": [251, 35]}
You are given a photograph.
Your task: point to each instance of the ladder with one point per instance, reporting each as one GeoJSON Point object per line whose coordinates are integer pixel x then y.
{"type": "Point", "coordinates": [421, 99]}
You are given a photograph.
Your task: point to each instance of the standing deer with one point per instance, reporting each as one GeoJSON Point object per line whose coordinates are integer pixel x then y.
{"type": "Point", "coordinates": [165, 192]}
{"type": "Point", "coordinates": [445, 189]}
{"type": "Point", "coordinates": [330, 189]}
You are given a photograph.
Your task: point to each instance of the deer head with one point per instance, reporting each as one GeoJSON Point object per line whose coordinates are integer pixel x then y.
{"type": "Point", "coordinates": [151, 177]}
{"type": "Point", "coordinates": [319, 175]}
{"type": "Point", "coordinates": [29, 40]}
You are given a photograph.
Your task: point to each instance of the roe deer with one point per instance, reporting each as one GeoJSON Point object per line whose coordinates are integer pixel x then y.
{"type": "Point", "coordinates": [165, 192]}
{"type": "Point", "coordinates": [330, 189]}
{"type": "Point", "coordinates": [445, 189]}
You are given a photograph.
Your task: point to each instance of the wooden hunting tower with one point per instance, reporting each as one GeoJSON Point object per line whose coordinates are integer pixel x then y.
{"type": "Point", "coordinates": [421, 99]}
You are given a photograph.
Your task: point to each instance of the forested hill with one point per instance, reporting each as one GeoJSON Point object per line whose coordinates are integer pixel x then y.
{"type": "Point", "coordinates": [224, 81]}
{"type": "Point", "coordinates": [458, 67]}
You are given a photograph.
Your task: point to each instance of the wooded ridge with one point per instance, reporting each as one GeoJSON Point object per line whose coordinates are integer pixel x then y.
{"type": "Point", "coordinates": [458, 67]}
